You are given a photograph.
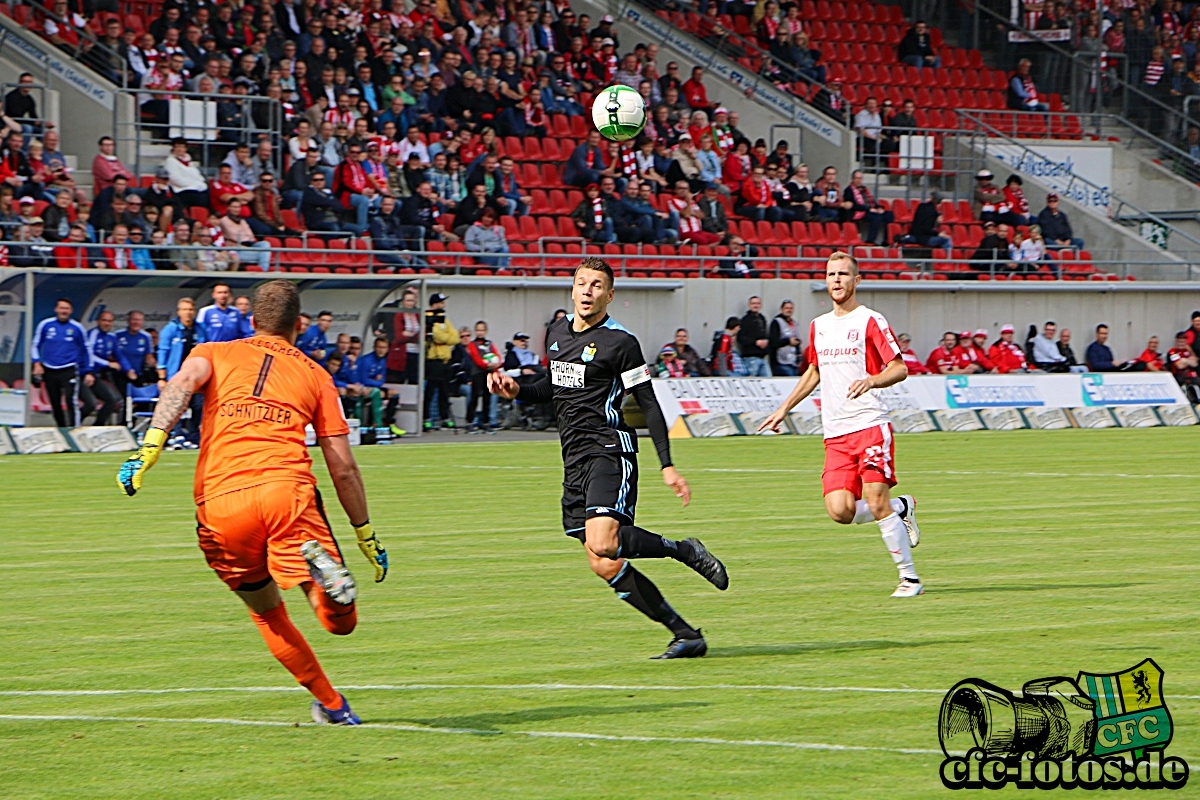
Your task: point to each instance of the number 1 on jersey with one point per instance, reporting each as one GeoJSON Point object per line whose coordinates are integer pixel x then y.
{"type": "Point", "coordinates": [263, 372]}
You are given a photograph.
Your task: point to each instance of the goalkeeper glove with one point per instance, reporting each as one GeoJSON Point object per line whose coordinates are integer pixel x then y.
{"type": "Point", "coordinates": [372, 549]}
{"type": "Point", "coordinates": [129, 478]}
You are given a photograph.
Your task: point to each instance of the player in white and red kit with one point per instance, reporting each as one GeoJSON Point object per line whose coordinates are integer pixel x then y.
{"type": "Point", "coordinates": [852, 351]}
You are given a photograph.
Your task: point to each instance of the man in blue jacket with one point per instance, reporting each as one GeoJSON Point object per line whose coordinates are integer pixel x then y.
{"type": "Point", "coordinates": [372, 372]}
{"type": "Point", "coordinates": [221, 321]}
{"type": "Point", "coordinates": [175, 344]}
{"type": "Point", "coordinates": [586, 164]}
{"type": "Point", "coordinates": [60, 357]}
{"type": "Point", "coordinates": [312, 342]}
{"type": "Point", "coordinates": [99, 390]}
{"type": "Point", "coordinates": [135, 353]}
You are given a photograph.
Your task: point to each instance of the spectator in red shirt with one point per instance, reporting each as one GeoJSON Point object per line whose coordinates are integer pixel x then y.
{"type": "Point", "coordinates": [911, 359]}
{"type": "Point", "coordinates": [485, 359]}
{"type": "Point", "coordinates": [943, 358]}
{"type": "Point", "coordinates": [965, 358]}
{"type": "Point", "coordinates": [1183, 362]}
{"type": "Point", "coordinates": [694, 93]}
{"type": "Point", "coordinates": [355, 187]}
{"type": "Point", "coordinates": [978, 345]}
{"type": "Point", "coordinates": [1006, 355]}
{"type": "Point", "coordinates": [224, 188]}
{"type": "Point", "coordinates": [1151, 357]}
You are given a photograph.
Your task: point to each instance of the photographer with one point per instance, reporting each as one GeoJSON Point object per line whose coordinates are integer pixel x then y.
{"type": "Point", "coordinates": [440, 339]}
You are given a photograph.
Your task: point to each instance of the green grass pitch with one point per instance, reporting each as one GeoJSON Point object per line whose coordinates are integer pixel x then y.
{"type": "Point", "coordinates": [1044, 553]}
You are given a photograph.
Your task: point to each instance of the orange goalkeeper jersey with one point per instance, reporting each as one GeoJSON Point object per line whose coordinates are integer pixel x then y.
{"type": "Point", "coordinates": [261, 395]}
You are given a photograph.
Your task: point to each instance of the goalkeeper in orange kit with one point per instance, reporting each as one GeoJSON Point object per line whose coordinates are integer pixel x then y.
{"type": "Point", "coordinates": [260, 519]}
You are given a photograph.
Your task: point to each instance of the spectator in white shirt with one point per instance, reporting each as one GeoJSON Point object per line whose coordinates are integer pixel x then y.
{"type": "Point", "coordinates": [237, 233]}
{"type": "Point", "coordinates": [411, 143]}
{"type": "Point", "coordinates": [1046, 354]}
{"type": "Point", "coordinates": [184, 177]}
{"type": "Point", "coordinates": [869, 125]}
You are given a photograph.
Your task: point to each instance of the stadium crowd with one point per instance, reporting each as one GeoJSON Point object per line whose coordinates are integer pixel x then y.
{"type": "Point", "coordinates": [92, 372]}
{"type": "Point", "coordinates": [398, 132]}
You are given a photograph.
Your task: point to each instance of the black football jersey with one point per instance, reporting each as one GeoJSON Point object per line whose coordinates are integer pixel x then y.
{"type": "Point", "coordinates": [590, 373]}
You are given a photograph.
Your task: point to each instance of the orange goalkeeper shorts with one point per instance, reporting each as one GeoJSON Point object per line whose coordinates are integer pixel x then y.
{"type": "Point", "coordinates": [254, 534]}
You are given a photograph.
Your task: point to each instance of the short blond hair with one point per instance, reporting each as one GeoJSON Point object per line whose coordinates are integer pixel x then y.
{"type": "Point", "coordinates": [841, 255]}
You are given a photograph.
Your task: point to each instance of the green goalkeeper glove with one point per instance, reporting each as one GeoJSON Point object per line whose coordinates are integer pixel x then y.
{"type": "Point", "coordinates": [372, 549]}
{"type": "Point", "coordinates": [129, 477]}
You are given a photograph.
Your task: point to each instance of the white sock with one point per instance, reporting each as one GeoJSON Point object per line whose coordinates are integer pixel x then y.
{"type": "Point", "coordinates": [895, 536]}
{"type": "Point", "coordinates": [863, 514]}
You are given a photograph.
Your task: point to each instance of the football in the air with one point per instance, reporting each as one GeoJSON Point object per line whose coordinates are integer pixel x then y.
{"type": "Point", "coordinates": [619, 113]}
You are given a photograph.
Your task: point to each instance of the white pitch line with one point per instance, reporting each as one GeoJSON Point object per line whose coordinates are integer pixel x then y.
{"type": "Point", "coordinates": [493, 687]}
{"type": "Point", "coordinates": [499, 687]}
{"type": "Point", "coordinates": [472, 732]}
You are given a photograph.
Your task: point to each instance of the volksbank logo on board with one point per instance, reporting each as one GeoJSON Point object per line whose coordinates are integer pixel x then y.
{"type": "Point", "coordinates": [961, 394]}
{"type": "Point", "coordinates": [1098, 731]}
{"type": "Point", "coordinates": [1117, 393]}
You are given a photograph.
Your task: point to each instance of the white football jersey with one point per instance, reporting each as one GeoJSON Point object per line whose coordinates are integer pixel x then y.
{"type": "Point", "coordinates": [847, 349]}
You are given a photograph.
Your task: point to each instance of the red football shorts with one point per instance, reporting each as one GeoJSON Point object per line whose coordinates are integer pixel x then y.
{"type": "Point", "coordinates": [852, 459]}
{"type": "Point", "coordinates": [253, 534]}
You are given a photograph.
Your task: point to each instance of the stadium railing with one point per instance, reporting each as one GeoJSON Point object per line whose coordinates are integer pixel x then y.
{"type": "Point", "coordinates": [197, 116]}
{"type": "Point", "coordinates": [89, 51]}
{"type": "Point", "coordinates": [318, 255]}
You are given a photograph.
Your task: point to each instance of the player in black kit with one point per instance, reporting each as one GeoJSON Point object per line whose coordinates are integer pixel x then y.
{"type": "Point", "coordinates": [593, 363]}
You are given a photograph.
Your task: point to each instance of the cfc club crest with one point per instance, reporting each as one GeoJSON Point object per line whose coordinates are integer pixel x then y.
{"type": "Point", "coordinates": [852, 335]}
{"type": "Point", "coordinates": [1130, 712]}
{"type": "Point", "coordinates": [589, 352]}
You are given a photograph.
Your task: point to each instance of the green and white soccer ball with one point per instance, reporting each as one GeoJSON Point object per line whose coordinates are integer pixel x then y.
{"type": "Point", "coordinates": [619, 113]}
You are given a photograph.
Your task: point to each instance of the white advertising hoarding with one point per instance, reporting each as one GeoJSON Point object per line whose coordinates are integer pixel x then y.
{"type": "Point", "coordinates": [683, 396]}
{"type": "Point", "coordinates": [1053, 165]}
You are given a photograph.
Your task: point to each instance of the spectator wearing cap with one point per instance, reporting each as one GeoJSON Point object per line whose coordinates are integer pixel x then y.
{"type": "Point", "coordinates": [184, 177]}
{"type": "Point", "coordinates": [1183, 364]}
{"type": "Point", "coordinates": [685, 165]}
{"type": "Point", "coordinates": [1045, 353]}
{"type": "Point", "coordinates": [605, 30]}
{"type": "Point", "coordinates": [976, 347]}
{"type": "Point", "coordinates": [1056, 228]}
{"type": "Point", "coordinates": [1006, 355]}
{"type": "Point", "coordinates": [964, 356]}
{"type": "Point", "coordinates": [988, 198]}
{"type": "Point", "coordinates": [911, 359]}
{"type": "Point", "coordinates": [668, 364]}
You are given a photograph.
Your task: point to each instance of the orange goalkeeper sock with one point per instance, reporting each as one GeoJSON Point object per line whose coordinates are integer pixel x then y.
{"type": "Point", "coordinates": [288, 645]}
